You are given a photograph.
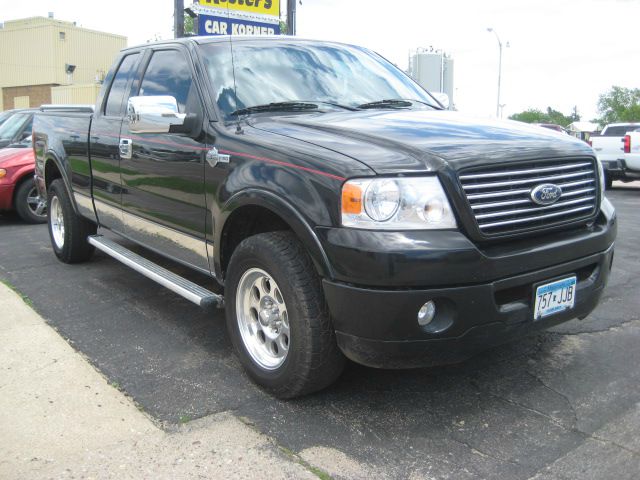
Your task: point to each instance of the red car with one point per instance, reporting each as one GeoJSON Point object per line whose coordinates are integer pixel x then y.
{"type": "Point", "coordinates": [17, 189]}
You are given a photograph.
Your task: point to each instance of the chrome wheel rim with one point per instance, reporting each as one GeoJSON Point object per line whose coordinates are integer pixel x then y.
{"type": "Point", "coordinates": [36, 203]}
{"type": "Point", "coordinates": [263, 319]}
{"type": "Point", "coordinates": [56, 218]}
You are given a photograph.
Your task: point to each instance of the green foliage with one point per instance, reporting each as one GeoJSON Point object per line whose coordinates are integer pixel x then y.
{"type": "Point", "coordinates": [189, 25]}
{"type": "Point", "coordinates": [619, 105]}
{"type": "Point", "coordinates": [533, 115]}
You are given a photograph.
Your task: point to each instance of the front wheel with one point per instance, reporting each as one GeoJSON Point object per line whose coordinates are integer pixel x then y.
{"type": "Point", "coordinates": [277, 316]}
{"type": "Point", "coordinates": [67, 229]}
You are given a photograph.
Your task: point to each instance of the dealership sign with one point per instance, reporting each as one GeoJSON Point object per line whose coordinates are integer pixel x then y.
{"type": "Point", "coordinates": [213, 25]}
{"type": "Point", "coordinates": [259, 7]}
{"type": "Point", "coordinates": [238, 17]}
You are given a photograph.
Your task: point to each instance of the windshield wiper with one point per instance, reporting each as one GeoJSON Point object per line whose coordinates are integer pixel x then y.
{"type": "Point", "coordinates": [275, 107]}
{"type": "Point", "coordinates": [395, 103]}
{"type": "Point", "coordinates": [344, 107]}
{"type": "Point", "coordinates": [390, 103]}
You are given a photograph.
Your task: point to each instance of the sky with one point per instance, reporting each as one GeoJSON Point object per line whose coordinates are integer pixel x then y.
{"type": "Point", "coordinates": [562, 53]}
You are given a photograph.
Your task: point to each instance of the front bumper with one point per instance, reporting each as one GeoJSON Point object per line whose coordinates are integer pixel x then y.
{"type": "Point", "coordinates": [6, 197]}
{"type": "Point", "coordinates": [483, 297]}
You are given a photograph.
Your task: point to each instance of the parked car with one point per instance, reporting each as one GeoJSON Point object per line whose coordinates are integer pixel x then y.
{"type": "Point", "coordinates": [343, 210]}
{"type": "Point", "coordinates": [16, 128]}
{"type": "Point", "coordinates": [17, 189]}
{"type": "Point", "coordinates": [5, 115]}
{"type": "Point", "coordinates": [552, 126]}
{"type": "Point", "coordinates": [609, 149]}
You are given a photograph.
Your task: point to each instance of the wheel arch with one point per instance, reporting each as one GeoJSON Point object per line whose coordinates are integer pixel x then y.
{"type": "Point", "coordinates": [251, 202]}
{"type": "Point", "coordinates": [53, 169]}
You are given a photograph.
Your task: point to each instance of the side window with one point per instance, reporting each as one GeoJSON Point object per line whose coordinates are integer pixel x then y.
{"type": "Point", "coordinates": [169, 73]}
{"type": "Point", "coordinates": [120, 81]}
{"type": "Point", "coordinates": [26, 130]}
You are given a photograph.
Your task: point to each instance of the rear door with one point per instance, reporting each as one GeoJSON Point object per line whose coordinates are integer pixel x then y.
{"type": "Point", "coordinates": [163, 196]}
{"type": "Point", "coordinates": [103, 143]}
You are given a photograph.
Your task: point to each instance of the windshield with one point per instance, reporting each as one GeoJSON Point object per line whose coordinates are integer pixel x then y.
{"type": "Point", "coordinates": [272, 72]}
{"type": "Point", "coordinates": [4, 116]}
{"type": "Point", "coordinates": [10, 128]}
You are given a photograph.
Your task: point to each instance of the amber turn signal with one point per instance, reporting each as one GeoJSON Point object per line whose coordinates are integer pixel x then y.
{"type": "Point", "coordinates": [351, 199]}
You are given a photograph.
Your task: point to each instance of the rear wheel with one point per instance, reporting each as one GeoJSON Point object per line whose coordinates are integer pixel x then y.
{"type": "Point", "coordinates": [30, 206]}
{"type": "Point", "coordinates": [68, 230]}
{"type": "Point", "coordinates": [277, 316]}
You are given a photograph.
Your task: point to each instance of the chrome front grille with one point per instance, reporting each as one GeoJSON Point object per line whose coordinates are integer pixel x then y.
{"type": "Point", "coordinates": [500, 197]}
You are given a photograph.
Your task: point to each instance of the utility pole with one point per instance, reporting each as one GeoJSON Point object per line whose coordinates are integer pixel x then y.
{"type": "Point", "coordinates": [291, 17]}
{"type": "Point", "coordinates": [498, 112]}
{"type": "Point", "coordinates": [178, 18]}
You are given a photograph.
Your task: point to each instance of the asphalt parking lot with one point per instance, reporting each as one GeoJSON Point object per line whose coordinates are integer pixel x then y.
{"type": "Point", "coordinates": [561, 404]}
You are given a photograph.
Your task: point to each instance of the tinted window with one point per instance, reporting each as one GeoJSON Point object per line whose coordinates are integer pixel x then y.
{"type": "Point", "coordinates": [117, 92]}
{"type": "Point", "coordinates": [13, 125]}
{"type": "Point", "coordinates": [168, 73]}
{"type": "Point", "coordinates": [619, 131]}
{"type": "Point", "coordinates": [267, 72]}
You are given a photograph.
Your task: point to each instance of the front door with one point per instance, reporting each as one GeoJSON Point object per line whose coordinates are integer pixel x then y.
{"type": "Point", "coordinates": [163, 199]}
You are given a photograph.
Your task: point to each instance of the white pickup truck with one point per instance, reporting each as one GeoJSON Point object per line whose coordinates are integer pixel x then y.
{"type": "Point", "coordinates": [610, 150]}
{"type": "Point", "coordinates": [630, 163]}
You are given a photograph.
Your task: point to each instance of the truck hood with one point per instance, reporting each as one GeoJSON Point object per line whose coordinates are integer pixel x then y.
{"type": "Point", "coordinates": [396, 141]}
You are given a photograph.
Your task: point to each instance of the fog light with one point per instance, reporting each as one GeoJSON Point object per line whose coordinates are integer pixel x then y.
{"type": "Point", "coordinates": [426, 313]}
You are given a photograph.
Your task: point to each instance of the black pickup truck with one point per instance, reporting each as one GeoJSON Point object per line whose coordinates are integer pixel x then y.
{"type": "Point", "coordinates": [341, 209]}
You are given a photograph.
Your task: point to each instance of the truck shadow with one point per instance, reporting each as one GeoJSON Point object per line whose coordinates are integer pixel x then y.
{"type": "Point", "coordinates": [518, 405]}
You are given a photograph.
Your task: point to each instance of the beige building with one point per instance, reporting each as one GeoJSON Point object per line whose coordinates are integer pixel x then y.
{"type": "Point", "coordinates": [43, 60]}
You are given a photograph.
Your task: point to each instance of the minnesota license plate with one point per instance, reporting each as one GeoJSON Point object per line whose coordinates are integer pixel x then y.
{"type": "Point", "coordinates": [555, 297]}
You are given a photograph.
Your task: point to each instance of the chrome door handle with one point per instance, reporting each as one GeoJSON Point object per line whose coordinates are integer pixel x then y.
{"type": "Point", "coordinates": [126, 148]}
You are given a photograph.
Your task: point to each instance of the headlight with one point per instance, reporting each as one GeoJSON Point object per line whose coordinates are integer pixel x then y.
{"type": "Point", "coordinates": [417, 203]}
{"type": "Point", "coordinates": [601, 178]}
{"type": "Point", "coordinates": [3, 173]}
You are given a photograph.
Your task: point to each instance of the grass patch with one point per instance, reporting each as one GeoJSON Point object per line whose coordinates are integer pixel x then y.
{"type": "Point", "coordinates": [321, 474]}
{"type": "Point", "coordinates": [184, 419]}
{"type": "Point", "coordinates": [24, 298]}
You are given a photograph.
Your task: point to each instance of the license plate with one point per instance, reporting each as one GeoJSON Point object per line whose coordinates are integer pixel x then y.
{"type": "Point", "coordinates": [555, 297]}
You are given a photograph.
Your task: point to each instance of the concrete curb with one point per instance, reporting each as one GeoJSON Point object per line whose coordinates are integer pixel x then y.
{"type": "Point", "coordinates": [61, 419]}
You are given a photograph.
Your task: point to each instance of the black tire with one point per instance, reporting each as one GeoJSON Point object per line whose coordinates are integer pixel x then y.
{"type": "Point", "coordinates": [313, 360]}
{"type": "Point", "coordinates": [72, 247]}
{"type": "Point", "coordinates": [608, 182]}
{"type": "Point", "coordinates": [26, 206]}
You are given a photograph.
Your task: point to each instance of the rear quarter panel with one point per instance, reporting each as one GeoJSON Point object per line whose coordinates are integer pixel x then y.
{"type": "Point", "coordinates": [608, 148]}
{"type": "Point", "coordinates": [62, 138]}
{"type": "Point", "coordinates": [632, 159]}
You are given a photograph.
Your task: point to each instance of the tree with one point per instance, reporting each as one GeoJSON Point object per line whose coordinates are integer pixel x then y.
{"type": "Point", "coordinates": [189, 25]}
{"type": "Point", "coordinates": [533, 115]}
{"type": "Point", "coordinates": [619, 105]}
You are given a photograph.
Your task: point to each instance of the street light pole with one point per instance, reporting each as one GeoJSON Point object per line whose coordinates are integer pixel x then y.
{"type": "Point", "coordinates": [499, 69]}
{"type": "Point", "coordinates": [178, 18]}
{"type": "Point", "coordinates": [291, 17]}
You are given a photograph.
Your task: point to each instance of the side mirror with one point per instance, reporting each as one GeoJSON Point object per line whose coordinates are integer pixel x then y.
{"type": "Point", "coordinates": [155, 114]}
{"type": "Point", "coordinates": [442, 98]}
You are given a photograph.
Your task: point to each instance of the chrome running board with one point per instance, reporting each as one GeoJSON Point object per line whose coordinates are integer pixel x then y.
{"type": "Point", "coordinates": [180, 285]}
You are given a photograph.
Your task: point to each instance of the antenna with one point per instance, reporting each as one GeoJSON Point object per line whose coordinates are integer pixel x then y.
{"type": "Point", "coordinates": [233, 71]}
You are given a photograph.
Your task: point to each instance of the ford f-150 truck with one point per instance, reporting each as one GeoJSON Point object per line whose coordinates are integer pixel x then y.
{"type": "Point", "coordinates": [342, 210]}
{"type": "Point", "coordinates": [609, 150]}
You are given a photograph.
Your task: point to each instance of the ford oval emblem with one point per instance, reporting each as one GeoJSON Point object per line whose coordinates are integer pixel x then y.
{"type": "Point", "coordinates": [546, 194]}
